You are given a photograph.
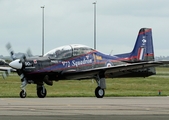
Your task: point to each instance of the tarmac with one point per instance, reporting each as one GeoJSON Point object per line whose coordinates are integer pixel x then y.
{"type": "Point", "coordinates": [85, 108]}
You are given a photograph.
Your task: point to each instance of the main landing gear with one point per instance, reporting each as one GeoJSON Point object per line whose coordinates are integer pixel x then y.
{"type": "Point", "coordinates": [99, 91]}
{"type": "Point", "coordinates": [41, 91]}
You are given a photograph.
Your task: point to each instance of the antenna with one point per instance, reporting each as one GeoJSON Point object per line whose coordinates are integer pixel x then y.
{"type": "Point", "coordinates": [111, 52]}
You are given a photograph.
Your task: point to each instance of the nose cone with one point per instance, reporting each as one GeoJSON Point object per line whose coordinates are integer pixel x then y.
{"type": "Point", "coordinates": [16, 64]}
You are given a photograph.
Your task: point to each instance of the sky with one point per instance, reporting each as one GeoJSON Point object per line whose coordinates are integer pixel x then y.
{"type": "Point", "coordinates": [72, 22]}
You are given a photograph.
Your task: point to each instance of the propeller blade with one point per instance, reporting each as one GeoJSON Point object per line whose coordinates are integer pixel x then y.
{"type": "Point", "coordinates": [29, 53]}
{"type": "Point", "coordinates": [9, 48]}
{"type": "Point", "coordinates": [23, 58]}
{"type": "Point", "coordinates": [6, 74]}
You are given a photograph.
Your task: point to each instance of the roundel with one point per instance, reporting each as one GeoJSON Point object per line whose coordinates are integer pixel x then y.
{"type": "Point", "coordinates": [108, 64]}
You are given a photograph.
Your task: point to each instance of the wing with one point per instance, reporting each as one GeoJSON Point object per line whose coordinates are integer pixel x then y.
{"type": "Point", "coordinates": [91, 73]}
{"type": "Point", "coordinates": [7, 69]}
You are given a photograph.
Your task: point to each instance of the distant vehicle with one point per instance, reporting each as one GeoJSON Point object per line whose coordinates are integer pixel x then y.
{"type": "Point", "coordinates": [78, 62]}
{"type": "Point", "coordinates": [4, 66]}
{"type": "Point", "coordinates": [3, 62]}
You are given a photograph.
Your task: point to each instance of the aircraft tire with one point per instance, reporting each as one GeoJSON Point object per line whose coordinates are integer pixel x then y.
{"type": "Point", "coordinates": [40, 93]}
{"type": "Point", "coordinates": [22, 94]}
{"type": "Point", "coordinates": [99, 92]}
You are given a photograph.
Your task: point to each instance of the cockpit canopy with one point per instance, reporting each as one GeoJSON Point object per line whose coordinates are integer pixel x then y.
{"type": "Point", "coordinates": [68, 51]}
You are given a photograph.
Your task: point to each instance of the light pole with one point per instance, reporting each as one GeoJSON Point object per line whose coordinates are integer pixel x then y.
{"type": "Point", "coordinates": [94, 24]}
{"type": "Point", "coordinates": [42, 29]}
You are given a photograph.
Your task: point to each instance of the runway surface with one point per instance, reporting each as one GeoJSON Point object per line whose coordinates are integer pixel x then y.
{"type": "Point", "coordinates": [118, 108]}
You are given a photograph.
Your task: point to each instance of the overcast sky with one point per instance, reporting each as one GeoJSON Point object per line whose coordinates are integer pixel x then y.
{"type": "Point", "coordinates": [71, 22]}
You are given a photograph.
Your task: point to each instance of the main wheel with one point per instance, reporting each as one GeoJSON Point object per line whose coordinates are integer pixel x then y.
{"type": "Point", "coordinates": [23, 94]}
{"type": "Point", "coordinates": [99, 92]}
{"type": "Point", "coordinates": [41, 92]}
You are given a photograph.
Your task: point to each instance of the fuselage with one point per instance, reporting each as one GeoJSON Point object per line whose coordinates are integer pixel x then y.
{"type": "Point", "coordinates": [38, 67]}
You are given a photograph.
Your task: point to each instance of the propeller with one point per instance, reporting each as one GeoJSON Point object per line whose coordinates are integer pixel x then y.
{"type": "Point", "coordinates": [16, 63]}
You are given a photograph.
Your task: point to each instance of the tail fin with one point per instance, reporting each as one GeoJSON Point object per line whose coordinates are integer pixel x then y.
{"type": "Point", "coordinates": [143, 49]}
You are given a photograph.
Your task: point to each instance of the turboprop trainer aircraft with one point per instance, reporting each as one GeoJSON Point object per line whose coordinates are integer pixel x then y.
{"type": "Point", "coordinates": [78, 62]}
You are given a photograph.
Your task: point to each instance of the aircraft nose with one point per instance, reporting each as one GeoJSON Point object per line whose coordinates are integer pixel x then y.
{"type": "Point", "coordinates": [16, 64]}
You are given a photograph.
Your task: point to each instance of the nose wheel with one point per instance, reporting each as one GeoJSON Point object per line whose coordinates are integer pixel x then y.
{"type": "Point", "coordinates": [23, 94]}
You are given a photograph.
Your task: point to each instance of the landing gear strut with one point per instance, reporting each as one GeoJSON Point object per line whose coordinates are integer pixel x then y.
{"type": "Point", "coordinates": [41, 91]}
{"type": "Point", "coordinates": [23, 91]}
